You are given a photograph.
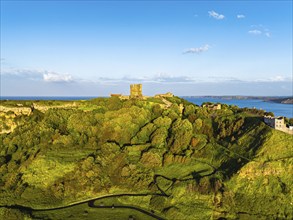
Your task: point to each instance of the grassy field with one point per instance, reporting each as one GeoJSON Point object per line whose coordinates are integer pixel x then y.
{"type": "Point", "coordinates": [181, 170]}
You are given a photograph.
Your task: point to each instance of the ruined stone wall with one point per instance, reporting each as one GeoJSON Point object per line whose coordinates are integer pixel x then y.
{"type": "Point", "coordinates": [15, 110]}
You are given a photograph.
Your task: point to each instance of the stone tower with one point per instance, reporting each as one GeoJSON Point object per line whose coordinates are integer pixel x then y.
{"type": "Point", "coordinates": [136, 91]}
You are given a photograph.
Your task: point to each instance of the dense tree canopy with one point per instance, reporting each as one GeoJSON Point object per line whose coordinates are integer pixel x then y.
{"type": "Point", "coordinates": [107, 146]}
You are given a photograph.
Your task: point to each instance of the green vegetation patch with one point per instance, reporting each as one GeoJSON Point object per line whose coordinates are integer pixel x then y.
{"type": "Point", "coordinates": [277, 147]}
{"type": "Point", "coordinates": [200, 163]}
{"type": "Point", "coordinates": [42, 172]}
{"type": "Point", "coordinates": [184, 170]}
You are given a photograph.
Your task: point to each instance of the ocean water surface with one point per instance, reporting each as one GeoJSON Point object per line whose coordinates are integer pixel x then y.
{"type": "Point", "coordinates": [277, 108]}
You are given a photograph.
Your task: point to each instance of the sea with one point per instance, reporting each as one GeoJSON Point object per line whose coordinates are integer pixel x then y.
{"type": "Point", "coordinates": [278, 109]}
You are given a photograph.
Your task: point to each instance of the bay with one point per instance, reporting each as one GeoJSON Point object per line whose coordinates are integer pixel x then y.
{"type": "Point", "coordinates": [278, 109]}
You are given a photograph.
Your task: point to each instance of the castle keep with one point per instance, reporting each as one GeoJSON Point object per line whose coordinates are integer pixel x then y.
{"type": "Point", "coordinates": [136, 91]}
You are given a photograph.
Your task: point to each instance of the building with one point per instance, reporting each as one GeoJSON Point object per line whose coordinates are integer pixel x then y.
{"type": "Point", "coordinates": [136, 91]}
{"type": "Point", "coordinates": [116, 95]}
{"type": "Point", "coordinates": [278, 123]}
{"type": "Point", "coordinates": [275, 122]}
{"type": "Point", "coordinates": [270, 121]}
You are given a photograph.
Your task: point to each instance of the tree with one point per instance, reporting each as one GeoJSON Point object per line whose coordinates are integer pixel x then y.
{"type": "Point", "coordinates": [163, 122]}
{"type": "Point", "coordinates": [269, 114]}
{"type": "Point", "coordinates": [143, 136]}
{"type": "Point", "coordinates": [159, 137]}
{"type": "Point", "coordinates": [188, 110]}
{"type": "Point", "coordinates": [181, 134]}
{"type": "Point", "coordinates": [157, 110]}
{"type": "Point", "coordinates": [114, 103]}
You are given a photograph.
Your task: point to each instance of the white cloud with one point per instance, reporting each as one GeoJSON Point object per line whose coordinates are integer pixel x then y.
{"type": "Point", "coordinates": [279, 78]}
{"type": "Point", "coordinates": [273, 79]}
{"type": "Point", "coordinates": [56, 77]}
{"type": "Point", "coordinates": [216, 15]}
{"type": "Point", "coordinates": [197, 50]}
{"type": "Point", "coordinates": [255, 32]}
{"type": "Point", "coordinates": [23, 73]}
{"type": "Point", "coordinates": [162, 82]}
{"type": "Point", "coordinates": [163, 77]}
{"type": "Point", "coordinates": [240, 16]}
{"type": "Point", "coordinates": [37, 75]}
{"type": "Point", "coordinates": [160, 78]}
{"type": "Point", "coordinates": [260, 30]}
{"type": "Point", "coordinates": [215, 78]}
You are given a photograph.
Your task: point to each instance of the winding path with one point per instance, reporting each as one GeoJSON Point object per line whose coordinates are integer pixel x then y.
{"type": "Point", "coordinates": [92, 205]}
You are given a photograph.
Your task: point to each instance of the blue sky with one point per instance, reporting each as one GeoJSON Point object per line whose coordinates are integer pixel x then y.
{"type": "Point", "coordinates": [94, 48]}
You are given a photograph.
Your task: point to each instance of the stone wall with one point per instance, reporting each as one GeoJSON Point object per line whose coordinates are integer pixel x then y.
{"type": "Point", "coordinates": [16, 110]}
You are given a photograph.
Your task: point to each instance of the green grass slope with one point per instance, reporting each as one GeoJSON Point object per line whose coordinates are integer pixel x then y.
{"type": "Point", "coordinates": [193, 163]}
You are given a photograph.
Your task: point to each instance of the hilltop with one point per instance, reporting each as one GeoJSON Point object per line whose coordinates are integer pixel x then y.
{"type": "Point", "coordinates": [174, 159]}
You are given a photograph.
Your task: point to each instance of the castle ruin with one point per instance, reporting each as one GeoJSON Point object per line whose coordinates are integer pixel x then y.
{"type": "Point", "coordinates": [136, 91]}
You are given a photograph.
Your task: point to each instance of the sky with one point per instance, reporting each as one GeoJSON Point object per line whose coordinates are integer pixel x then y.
{"type": "Point", "coordinates": [94, 48]}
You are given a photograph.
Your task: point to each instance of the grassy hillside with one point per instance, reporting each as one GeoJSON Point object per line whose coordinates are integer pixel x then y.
{"type": "Point", "coordinates": [189, 163]}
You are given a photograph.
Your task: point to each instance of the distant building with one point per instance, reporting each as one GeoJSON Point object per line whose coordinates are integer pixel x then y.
{"type": "Point", "coordinates": [116, 95]}
{"type": "Point", "coordinates": [136, 91]}
{"type": "Point", "coordinates": [274, 122]}
{"type": "Point", "coordinates": [278, 123]}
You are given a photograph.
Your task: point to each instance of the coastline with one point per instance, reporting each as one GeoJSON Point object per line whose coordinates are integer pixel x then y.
{"type": "Point", "coordinates": [275, 99]}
